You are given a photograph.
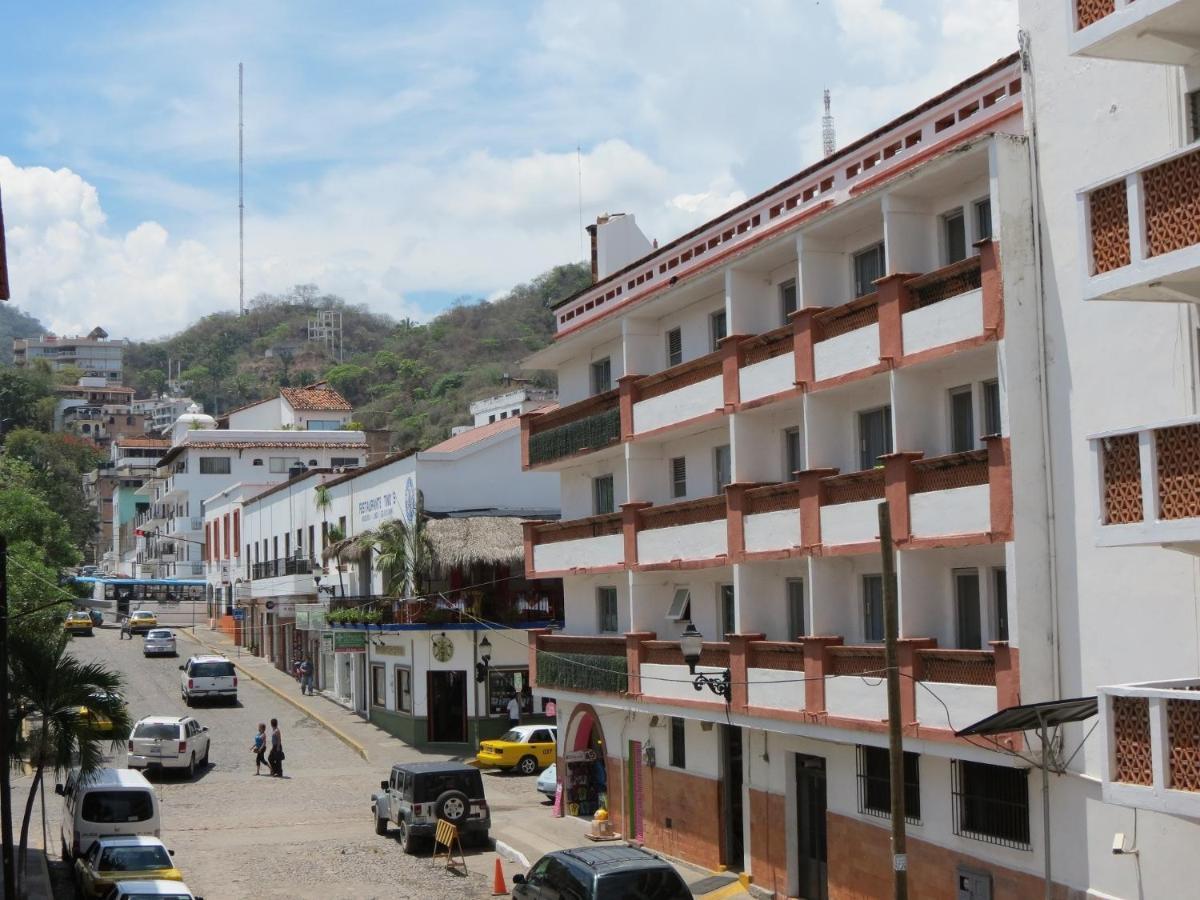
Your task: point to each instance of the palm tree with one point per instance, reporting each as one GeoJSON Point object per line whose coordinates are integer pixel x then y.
{"type": "Point", "coordinates": [49, 684]}
{"type": "Point", "coordinates": [405, 557]}
{"type": "Point", "coordinates": [323, 500]}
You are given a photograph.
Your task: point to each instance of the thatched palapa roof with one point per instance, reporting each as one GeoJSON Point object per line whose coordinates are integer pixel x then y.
{"type": "Point", "coordinates": [349, 549]}
{"type": "Point", "coordinates": [461, 542]}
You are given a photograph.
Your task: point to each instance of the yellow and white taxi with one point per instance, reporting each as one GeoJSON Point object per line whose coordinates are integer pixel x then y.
{"type": "Point", "coordinates": [78, 622]}
{"type": "Point", "coordinates": [525, 748]}
{"type": "Point", "coordinates": [114, 859]}
{"type": "Point", "coordinates": [142, 621]}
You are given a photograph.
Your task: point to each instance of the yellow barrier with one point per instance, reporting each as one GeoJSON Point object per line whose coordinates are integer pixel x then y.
{"type": "Point", "coordinates": [447, 836]}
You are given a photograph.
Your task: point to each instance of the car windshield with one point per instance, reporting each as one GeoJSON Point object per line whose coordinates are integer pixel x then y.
{"type": "Point", "coordinates": [155, 897]}
{"type": "Point", "coordinates": [211, 669]}
{"type": "Point", "coordinates": [432, 785]}
{"type": "Point", "coordinates": [143, 615]}
{"type": "Point", "coordinates": [646, 884]}
{"type": "Point", "coordinates": [513, 737]}
{"type": "Point", "coordinates": [157, 731]}
{"type": "Point", "coordinates": [134, 859]}
{"type": "Point", "coordinates": [117, 806]}
{"type": "Point", "coordinates": [158, 635]}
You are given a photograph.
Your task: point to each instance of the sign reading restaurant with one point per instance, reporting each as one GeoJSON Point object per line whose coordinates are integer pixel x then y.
{"type": "Point", "coordinates": [379, 508]}
{"type": "Point", "coordinates": [396, 498]}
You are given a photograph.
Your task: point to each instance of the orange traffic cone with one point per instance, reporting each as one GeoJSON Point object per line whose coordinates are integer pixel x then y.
{"type": "Point", "coordinates": [498, 888]}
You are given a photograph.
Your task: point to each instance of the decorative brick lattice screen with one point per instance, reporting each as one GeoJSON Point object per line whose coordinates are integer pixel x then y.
{"type": "Point", "coordinates": [1178, 451]}
{"type": "Point", "coordinates": [773, 498]}
{"type": "Point", "coordinates": [677, 377]}
{"type": "Point", "coordinates": [667, 653]}
{"type": "Point", "coordinates": [852, 316]}
{"type": "Point", "coordinates": [1131, 740]}
{"type": "Point", "coordinates": [596, 526]}
{"type": "Point", "coordinates": [1183, 726]}
{"type": "Point", "coordinates": [956, 470]}
{"type": "Point", "coordinates": [1122, 480]}
{"type": "Point", "coordinates": [1089, 11]}
{"type": "Point", "coordinates": [1172, 198]}
{"type": "Point", "coordinates": [768, 346]}
{"type": "Point", "coordinates": [853, 487]}
{"type": "Point", "coordinates": [785, 655]}
{"type": "Point", "coordinates": [1110, 228]}
{"type": "Point", "coordinates": [690, 512]}
{"type": "Point", "coordinates": [957, 666]}
{"type": "Point", "coordinates": [957, 278]}
{"type": "Point", "coordinates": [857, 661]}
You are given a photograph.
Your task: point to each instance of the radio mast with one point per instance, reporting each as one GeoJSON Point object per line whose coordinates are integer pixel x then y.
{"type": "Point", "coordinates": [242, 204]}
{"type": "Point", "coordinates": [827, 135]}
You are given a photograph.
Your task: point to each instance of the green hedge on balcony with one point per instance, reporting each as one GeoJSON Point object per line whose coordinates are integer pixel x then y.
{"type": "Point", "coordinates": [590, 433]}
{"type": "Point", "coordinates": [582, 672]}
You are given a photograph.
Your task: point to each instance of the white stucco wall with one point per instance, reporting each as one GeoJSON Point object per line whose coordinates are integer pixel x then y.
{"type": "Point", "coordinates": [677, 406]}
{"type": "Point", "coordinates": [955, 319]}
{"type": "Point", "coordinates": [606, 550]}
{"type": "Point", "coordinates": [771, 376]}
{"type": "Point", "coordinates": [850, 523]}
{"type": "Point", "coordinates": [858, 349]}
{"type": "Point", "coordinates": [702, 540]}
{"type": "Point", "coordinates": [965, 510]}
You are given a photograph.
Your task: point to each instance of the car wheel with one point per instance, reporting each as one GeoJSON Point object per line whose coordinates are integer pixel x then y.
{"type": "Point", "coordinates": [453, 806]}
{"type": "Point", "coordinates": [206, 762]}
{"type": "Point", "coordinates": [187, 700]}
{"type": "Point", "coordinates": [191, 769]}
{"type": "Point", "coordinates": [527, 766]}
{"type": "Point", "coordinates": [381, 825]}
{"type": "Point", "coordinates": [406, 841]}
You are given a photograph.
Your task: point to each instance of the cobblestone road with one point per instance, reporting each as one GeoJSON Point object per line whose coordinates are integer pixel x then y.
{"type": "Point", "coordinates": [238, 835]}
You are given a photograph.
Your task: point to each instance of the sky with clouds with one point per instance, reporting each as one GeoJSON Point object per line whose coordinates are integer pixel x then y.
{"type": "Point", "coordinates": [403, 154]}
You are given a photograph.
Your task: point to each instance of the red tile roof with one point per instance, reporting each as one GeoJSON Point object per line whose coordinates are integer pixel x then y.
{"type": "Point", "coordinates": [319, 396]}
{"type": "Point", "coordinates": [481, 433]}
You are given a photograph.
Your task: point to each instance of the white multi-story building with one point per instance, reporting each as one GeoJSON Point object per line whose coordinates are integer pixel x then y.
{"type": "Point", "coordinates": [513, 403]}
{"type": "Point", "coordinates": [94, 353]}
{"type": "Point", "coordinates": [161, 412]}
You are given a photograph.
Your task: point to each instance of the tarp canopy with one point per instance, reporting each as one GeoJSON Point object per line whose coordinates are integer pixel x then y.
{"type": "Point", "coordinates": [1034, 716]}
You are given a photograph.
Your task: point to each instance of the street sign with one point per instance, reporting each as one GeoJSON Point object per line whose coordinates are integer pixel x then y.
{"type": "Point", "coordinates": [239, 614]}
{"type": "Point", "coordinates": [349, 642]}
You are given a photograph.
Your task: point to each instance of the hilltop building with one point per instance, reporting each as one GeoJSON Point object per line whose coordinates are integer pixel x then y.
{"type": "Point", "coordinates": [93, 354]}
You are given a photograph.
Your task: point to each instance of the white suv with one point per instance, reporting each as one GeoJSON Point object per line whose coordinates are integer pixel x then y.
{"type": "Point", "coordinates": [169, 742]}
{"type": "Point", "coordinates": [207, 676]}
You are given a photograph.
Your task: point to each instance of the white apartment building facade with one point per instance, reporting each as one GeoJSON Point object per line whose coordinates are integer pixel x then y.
{"type": "Point", "coordinates": [93, 353]}
{"type": "Point", "coordinates": [161, 412]}
{"type": "Point", "coordinates": [735, 404]}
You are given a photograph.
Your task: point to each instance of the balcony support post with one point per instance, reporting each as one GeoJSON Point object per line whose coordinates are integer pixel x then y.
{"type": "Point", "coordinates": [908, 663]}
{"type": "Point", "coordinates": [739, 669]}
{"type": "Point", "coordinates": [735, 519]}
{"type": "Point", "coordinates": [1008, 686]}
{"type": "Point", "coordinates": [534, 634]}
{"type": "Point", "coordinates": [992, 286]}
{"type": "Point", "coordinates": [634, 653]}
{"type": "Point", "coordinates": [630, 521]}
{"type": "Point", "coordinates": [817, 664]}
{"type": "Point", "coordinates": [731, 358]}
{"type": "Point", "coordinates": [529, 539]}
{"type": "Point", "coordinates": [899, 482]}
{"type": "Point", "coordinates": [810, 506]}
{"type": "Point", "coordinates": [1137, 217]}
{"type": "Point", "coordinates": [626, 385]}
{"type": "Point", "coordinates": [894, 301]}
{"type": "Point", "coordinates": [1160, 744]}
{"type": "Point", "coordinates": [802, 345]}
{"type": "Point", "coordinates": [1000, 487]}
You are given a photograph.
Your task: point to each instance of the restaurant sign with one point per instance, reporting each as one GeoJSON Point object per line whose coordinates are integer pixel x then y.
{"type": "Point", "coordinates": [349, 642]}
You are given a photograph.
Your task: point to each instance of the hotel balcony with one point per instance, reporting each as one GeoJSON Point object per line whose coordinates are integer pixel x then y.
{"type": "Point", "coordinates": [1141, 232]}
{"type": "Point", "coordinates": [594, 544]}
{"type": "Point", "coordinates": [283, 578]}
{"type": "Point", "coordinates": [1149, 485]}
{"type": "Point", "coordinates": [816, 680]}
{"type": "Point", "coordinates": [1151, 31]}
{"type": "Point", "coordinates": [694, 532]}
{"type": "Point", "coordinates": [566, 432]}
{"type": "Point", "coordinates": [1151, 735]}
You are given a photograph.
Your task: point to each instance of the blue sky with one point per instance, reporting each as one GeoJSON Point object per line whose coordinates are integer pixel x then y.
{"type": "Point", "coordinates": [403, 154]}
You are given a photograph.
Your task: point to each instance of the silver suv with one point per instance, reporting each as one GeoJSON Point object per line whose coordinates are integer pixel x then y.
{"type": "Point", "coordinates": [207, 677]}
{"type": "Point", "coordinates": [418, 794]}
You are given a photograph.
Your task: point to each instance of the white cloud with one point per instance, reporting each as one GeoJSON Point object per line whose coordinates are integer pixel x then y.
{"type": "Point", "coordinates": [873, 31]}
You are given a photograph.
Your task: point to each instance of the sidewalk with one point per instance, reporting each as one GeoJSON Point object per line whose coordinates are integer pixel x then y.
{"type": "Point", "coordinates": [523, 832]}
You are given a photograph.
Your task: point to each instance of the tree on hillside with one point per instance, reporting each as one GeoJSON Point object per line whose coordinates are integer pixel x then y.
{"type": "Point", "coordinates": [56, 465]}
{"type": "Point", "coordinates": [27, 517]}
{"type": "Point", "coordinates": [22, 391]}
{"type": "Point", "coordinates": [15, 324]}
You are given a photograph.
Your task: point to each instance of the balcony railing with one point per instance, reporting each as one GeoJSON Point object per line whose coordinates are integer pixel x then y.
{"type": "Point", "coordinates": [667, 653]}
{"type": "Point", "coordinates": [955, 470]}
{"type": "Point", "coordinates": [571, 662]}
{"type": "Point", "coordinates": [1148, 31]}
{"type": "Point", "coordinates": [856, 314]}
{"type": "Point", "coordinates": [277, 568]}
{"type": "Point", "coordinates": [688, 512]}
{"type": "Point", "coordinates": [768, 345]}
{"type": "Point", "coordinates": [677, 377]}
{"type": "Point", "coordinates": [853, 487]}
{"type": "Point", "coordinates": [857, 661]}
{"type": "Point", "coordinates": [591, 424]}
{"type": "Point", "coordinates": [577, 529]}
{"type": "Point", "coordinates": [957, 666]}
{"type": "Point", "coordinates": [787, 656]}
{"type": "Point", "coordinates": [942, 284]}
{"type": "Point", "coordinates": [772, 498]}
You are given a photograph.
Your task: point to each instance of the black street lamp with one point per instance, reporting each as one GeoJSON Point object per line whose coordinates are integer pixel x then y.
{"type": "Point", "coordinates": [691, 643]}
{"type": "Point", "coordinates": [481, 668]}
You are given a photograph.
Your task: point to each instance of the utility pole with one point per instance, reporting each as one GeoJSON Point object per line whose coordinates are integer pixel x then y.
{"type": "Point", "coordinates": [10, 869]}
{"type": "Point", "coordinates": [241, 206]}
{"type": "Point", "coordinates": [891, 632]}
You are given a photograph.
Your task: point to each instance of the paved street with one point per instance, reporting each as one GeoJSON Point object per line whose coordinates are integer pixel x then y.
{"type": "Point", "coordinates": [237, 835]}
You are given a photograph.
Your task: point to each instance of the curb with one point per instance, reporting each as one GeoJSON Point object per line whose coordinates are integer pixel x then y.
{"type": "Point", "coordinates": [513, 856]}
{"type": "Point", "coordinates": [328, 726]}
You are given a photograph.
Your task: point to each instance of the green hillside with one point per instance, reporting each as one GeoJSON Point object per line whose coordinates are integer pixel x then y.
{"type": "Point", "coordinates": [15, 324]}
{"type": "Point", "coordinates": [415, 380]}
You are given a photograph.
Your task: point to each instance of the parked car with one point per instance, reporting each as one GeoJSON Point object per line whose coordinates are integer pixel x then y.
{"type": "Point", "coordinates": [153, 889]}
{"type": "Point", "coordinates": [98, 721]}
{"type": "Point", "coordinates": [416, 795]}
{"type": "Point", "coordinates": [106, 803]}
{"type": "Point", "coordinates": [122, 858]}
{"type": "Point", "coordinates": [141, 621]}
{"type": "Point", "coordinates": [607, 872]}
{"type": "Point", "coordinates": [97, 617]}
{"type": "Point", "coordinates": [159, 642]}
{"type": "Point", "coordinates": [525, 748]}
{"type": "Point", "coordinates": [169, 742]}
{"type": "Point", "coordinates": [547, 782]}
{"type": "Point", "coordinates": [207, 676]}
{"type": "Point", "coordinates": [78, 622]}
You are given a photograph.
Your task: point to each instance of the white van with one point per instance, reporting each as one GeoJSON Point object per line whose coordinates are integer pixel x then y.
{"type": "Point", "coordinates": [207, 676]}
{"type": "Point", "coordinates": [107, 802]}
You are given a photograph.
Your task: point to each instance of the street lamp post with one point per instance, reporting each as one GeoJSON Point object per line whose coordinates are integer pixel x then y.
{"type": "Point", "coordinates": [691, 644]}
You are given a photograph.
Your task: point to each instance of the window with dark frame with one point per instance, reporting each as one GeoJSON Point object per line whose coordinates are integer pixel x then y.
{"type": "Point", "coordinates": [787, 299]}
{"type": "Point", "coordinates": [403, 690]}
{"type": "Point", "coordinates": [795, 607]}
{"type": "Point", "coordinates": [722, 467]}
{"type": "Point", "coordinates": [603, 501]}
{"type": "Point", "coordinates": [983, 219]}
{"type": "Point", "coordinates": [718, 328]}
{"type": "Point", "coordinates": [872, 593]}
{"type": "Point", "coordinates": [792, 462]}
{"type": "Point", "coordinates": [869, 266]}
{"type": "Point", "coordinates": [962, 419]}
{"type": "Point", "coordinates": [378, 685]}
{"type": "Point", "coordinates": [991, 803]}
{"type": "Point", "coordinates": [601, 376]}
{"type": "Point", "coordinates": [1193, 115]}
{"type": "Point", "coordinates": [874, 436]}
{"type": "Point", "coordinates": [991, 407]}
{"type": "Point", "coordinates": [606, 610]}
{"type": "Point", "coordinates": [1000, 595]}
{"type": "Point", "coordinates": [678, 743]}
{"type": "Point", "coordinates": [679, 477]}
{"type": "Point", "coordinates": [875, 784]}
{"type": "Point", "coordinates": [215, 465]}
{"type": "Point", "coordinates": [954, 227]}
{"type": "Point", "coordinates": [674, 347]}
{"type": "Point", "coordinates": [967, 614]}
{"type": "Point", "coordinates": [503, 685]}
{"type": "Point", "coordinates": [726, 609]}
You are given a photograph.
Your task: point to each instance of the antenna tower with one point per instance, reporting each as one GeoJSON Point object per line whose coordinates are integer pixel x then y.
{"type": "Point", "coordinates": [242, 205]}
{"type": "Point", "coordinates": [827, 136]}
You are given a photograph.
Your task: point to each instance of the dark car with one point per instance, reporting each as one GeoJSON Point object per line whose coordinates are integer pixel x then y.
{"type": "Point", "coordinates": [601, 873]}
{"type": "Point", "coordinates": [416, 795]}
{"type": "Point", "coordinates": [97, 617]}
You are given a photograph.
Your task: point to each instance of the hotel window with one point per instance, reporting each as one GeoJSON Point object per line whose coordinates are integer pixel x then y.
{"type": "Point", "coordinates": [343, 462]}
{"type": "Point", "coordinates": [983, 219]}
{"type": "Point", "coordinates": [991, 803]}
{"type": "Point", "coordinates": [875, 784]}
{"type": "Point", "coordinates": [874, 436]}
{"type": "Point", "coordinates": [954, 232]}
{"type": "Point", "coordinates": [602, 495]}
{"type": "Point", "coordinates": [378, 685]}
{"type": "Point", "coordinates": [1000, 593]}
{"type": "Point", "coordinates": [966, 604]}
{"type": "Point", "coordinates": [872, 594]}
{"type": "Point", "coordinates": [795, 608]}
{"type": "Point", "coordinates": [601, 376]}
{"type": "Point", "coordinates": [868, 266]}
{"type": "Point", "coordinates": [722, 467]}
{"type": "Point", "coordinates": [717, 327]}
{"type": "Point", "coordinates": [787, 299]}
{"type": "Point", "coordinates": [962, 419]}
{"type": "Point", "coordinates": [674, 347]}
{"type": "Point", "coordinates": [727, 610]}
{"type": "Point", "coordinates": [991, 407]}
{"type": "Point", "coordinates": [681, 606]}
{"type": "Point", "coordinates": [606, 610]}
{"type": "Point", "coordinates": [679, 477]}
{"type": "Point", "coordinates": [404, 690]}
{"type": "Point", "coordinates": [678, 742]}
{"type": "Point", "coordinates": [214, 465]}
{"type": "Point", "coordinates": [791, 454]}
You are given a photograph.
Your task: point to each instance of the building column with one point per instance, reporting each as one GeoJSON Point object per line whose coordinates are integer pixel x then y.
{"type": "Point", "coordinates": [906, 659]}
{"type": "Point", "coordinates": [1008, 686]}
{"type": "Point", "coordinates": [899, 480]}
{"type": "Point", "coordinates": [526, 433]}
{"type": "Point", "coordinates": [629, 530]}
{"type": "Point", "coordinates": [816, 664]}
{"type": "Point", "coordinates": [802, 345]}
{"type": "Point", "coordinates": [633, 659]}
{"type": "Point", "coordinates": [627, 396]}
{"type": "Point", "coordinates": [810, 506]}
{"type": "Point", "coordinates": [739, 666]}
{"type": "Point", "coordinates": [735, 501]}
{"type": "Point", "coordinates": [529, 540]}
{"type": "Point", "coordinates": [1000, 486]}
{"type": "Point", "coordinates": [993, 287]}
{"type": "Point", "coordinates": [894, 302]}
{"type": "Point", "coordinates": [731, 356]}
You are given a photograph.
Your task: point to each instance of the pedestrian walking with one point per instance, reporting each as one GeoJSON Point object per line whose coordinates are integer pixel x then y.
{"type": "Point", "coordinates": [306, 676]}
{"type": "Point", "coordinates": [514, 711]}
{"type": "Point", "coordinates": [276, 757]}
{"type": "Point", "coordinates": [260, 748]}
{"type": "Point", "coordinates": [125, 632]}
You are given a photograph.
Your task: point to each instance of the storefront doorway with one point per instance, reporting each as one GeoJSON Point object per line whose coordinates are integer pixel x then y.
{"type": "Point", "coordinates": [731, 798]}
{"type": "Point", "coordinates": [448, 707]}
{"type": "Point", "coordinates": [810, 827]}
{"type": "Point", "coordinates": [585, 778]}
